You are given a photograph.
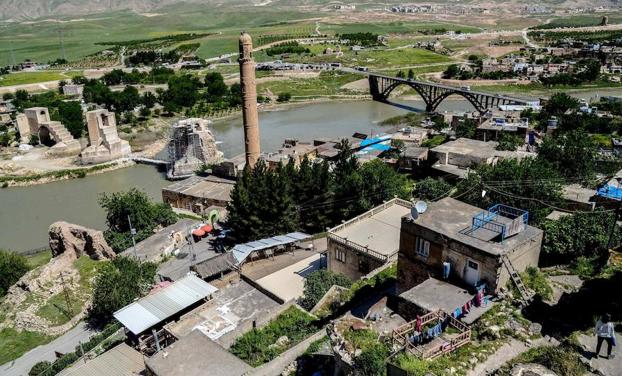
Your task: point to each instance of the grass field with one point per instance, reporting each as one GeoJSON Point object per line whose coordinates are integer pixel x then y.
{"type": "Point", "coordinates": [393, 27]}
{"type": "Point", "coordinates": [23, 78]}
{"type": "Point", "coordinates": [14, 344]}
{"type": "Point", "coordinates": [38, 259]}
{"type": "Point", "coordinates": [329, 83]}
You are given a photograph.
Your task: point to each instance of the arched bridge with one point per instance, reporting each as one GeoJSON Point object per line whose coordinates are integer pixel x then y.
{"type": "Point", "coordinates": [433, 94]}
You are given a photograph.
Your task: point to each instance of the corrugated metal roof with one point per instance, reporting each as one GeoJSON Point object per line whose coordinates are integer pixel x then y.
{"type": "Point", "coordinates": [121, 360]}
{"type": "Point", "coordinates": [242, 251]}
{"type": "Point", "coordinates": [157, 307]}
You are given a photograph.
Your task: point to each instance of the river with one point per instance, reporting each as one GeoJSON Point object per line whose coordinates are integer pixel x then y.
{"type": "Point", "coordinates": [27, 212]}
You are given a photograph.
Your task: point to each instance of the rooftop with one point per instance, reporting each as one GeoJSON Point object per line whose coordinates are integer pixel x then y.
{"type": "Point", "coordinates": [450, 217]}
{"type": "Point", "coordinates": [196, 355]}
{"type": "Point", "coordinates": [161, 305]}
{"type": "Point", "coordinates": [203, 187]}
{"type": "Point", "coordinates": [377, 229]}
{"type": "Point", "coordinates": [242, 251]}
{"type": "Point", "coordinates": [179, 265]}
{"type": "Point", "coordinates": [160, 243]}
{"type": "Point", "coordinates": [121, 360]}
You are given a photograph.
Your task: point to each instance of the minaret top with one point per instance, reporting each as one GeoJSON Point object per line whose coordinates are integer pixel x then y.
{"type": "Point", "coordinates": [246, 47]}
{"type": "Point", "coordinates": [245, 38]}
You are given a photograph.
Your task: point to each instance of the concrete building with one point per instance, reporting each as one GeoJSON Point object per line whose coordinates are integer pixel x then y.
{"type": "Point", "coordinates": [195, 355]}
{"type": "Point", "coordinates": [456, 157]}
{"type": "Point", "coordinates": [191, 145]}
{"type": "Point", "coordinates": [199, 194]}
{"type": "Point", "coordinates": [293, 150]}
{"type": "Point", "coordinates": [478, 246]}
{"type": "Point", "coordinates": [412, 158]}
{"type": "Point", "coordinates": [249, 99]}
{"type": "Point", "coordinates": [367, 242]}
{"type": "Point", "coordinates": [50, 133]}
{"type": "Point", "coordinates": [104, 142]}
{"type": "Point", "coordinates": [73, 90]}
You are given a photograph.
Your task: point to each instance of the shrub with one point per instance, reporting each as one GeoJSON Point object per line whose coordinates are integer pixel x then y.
{"type": "Point", "coordinates": [536, 280]}
{"type": "Point", "coordinates": [284, 97]}
{"type": "Point", "coordinates": [39, 368]}
{"type": "Point", "coordinates": [259, 346]}
{"type": "Point", "coordinates": [318, 283]}
{"type": "Point", "coordinates": [371, 362]}
{"type": "Point", "coordinates": [431, 189]}
{"type": "Point", "coordinates": [12, 268]}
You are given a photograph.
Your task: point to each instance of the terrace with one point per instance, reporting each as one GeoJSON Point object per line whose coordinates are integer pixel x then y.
{"type": "Point", "coordinates": [454, 335]}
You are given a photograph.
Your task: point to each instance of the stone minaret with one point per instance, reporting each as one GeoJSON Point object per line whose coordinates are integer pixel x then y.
{"type": "Point", "coordinates": [249, 100]}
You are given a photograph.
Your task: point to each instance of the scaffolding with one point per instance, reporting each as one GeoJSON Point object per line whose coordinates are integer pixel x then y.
{"type": "Point", "coordinates": [502, 219]}
{"type": "Point", "coordinates": [184, 150]}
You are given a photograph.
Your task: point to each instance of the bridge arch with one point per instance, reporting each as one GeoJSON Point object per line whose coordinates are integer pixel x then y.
{"type": "Point", "coordinates": [433, 101]}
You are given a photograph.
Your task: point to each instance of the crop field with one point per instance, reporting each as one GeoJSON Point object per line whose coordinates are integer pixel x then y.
{"type": "Point", "coordinates": [328, 83]}
{"type": "Point", "coordinates": [41, 40]}
{"type": "Point", "coordinates": [23, 78]}
{"type": "Point", "coordinates": [401, 27]}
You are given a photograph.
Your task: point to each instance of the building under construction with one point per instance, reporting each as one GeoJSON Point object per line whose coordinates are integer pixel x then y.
{"type": "Point", "coordinates": [191, 145]}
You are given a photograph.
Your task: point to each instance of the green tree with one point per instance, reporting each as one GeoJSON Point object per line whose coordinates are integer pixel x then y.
{"type": "Point", "coordinates": [128, 99]}
{"type": "Point", "coordinates": [466, 128]}
{"type": "Point", "coordinates": [411, 74]}
{"type": "Point", "coordinates": [531, 184]}
{"type": "Point", "coordinates": [70, 114]}
{"type": "Point", "coordinates": [39, 367]}
{"type": "Point", "coordinates": [452, 71]}
{"type": "Point", "coordinates": [347, 183]}
{"type": "Point", "coordinates": [559, 103]}
{"type": "Point", "coordinates": [318, 283]}
{"type": "Point", "coordinates": [573, 154]}
{"type": "Point", "coordinates": [12, 268]}
{"type": "Point", "coordinates": [284, 97]}
{"type": "Point", "coordinates": [431, 189]}
{"type": "Point", "coordinates": [380, 182]}
{"type": "Point", "coordinates": [216, 87]}
{"type": "Point", "coordinates": [371, 362]}
{"type": "Point", "coordinates": [182, 91]}
{"type": "Point", "coordinates": [509, 142]}
{"type": "Point", "coordinates": [116, 285]}
{"type": "Point", "coordinates": [149, 100]}
{"type": "Point", "coordinates": [144, 214]}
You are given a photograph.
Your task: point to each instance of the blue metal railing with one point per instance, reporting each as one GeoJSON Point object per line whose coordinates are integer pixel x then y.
{"type": "Point", "coordinates": [487, 219]}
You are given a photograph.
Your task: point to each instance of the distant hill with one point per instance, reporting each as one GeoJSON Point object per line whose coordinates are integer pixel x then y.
{"type": "Point", "coordinates": [20, 10]}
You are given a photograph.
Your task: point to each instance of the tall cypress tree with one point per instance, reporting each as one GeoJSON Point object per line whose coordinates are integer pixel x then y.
{"type": "Point", "coordinates": [347, 183]}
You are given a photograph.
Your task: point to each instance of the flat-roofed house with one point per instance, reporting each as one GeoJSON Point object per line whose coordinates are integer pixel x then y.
{"type": "Point", "coordinates": [479, 246]}
{"type": "Point", "coordinates": [367, 242]}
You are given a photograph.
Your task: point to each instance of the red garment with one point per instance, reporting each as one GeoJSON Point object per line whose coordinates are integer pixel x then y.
{"type": "Point", "coordinates": [418, 324]}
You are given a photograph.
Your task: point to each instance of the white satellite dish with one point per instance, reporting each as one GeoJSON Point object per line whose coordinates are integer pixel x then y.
{"type": "Point", "coordinates": [421, 207]}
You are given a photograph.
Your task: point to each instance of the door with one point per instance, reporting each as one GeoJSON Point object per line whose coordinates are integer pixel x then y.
{"type": "Point", "coordinates": [471, 273]}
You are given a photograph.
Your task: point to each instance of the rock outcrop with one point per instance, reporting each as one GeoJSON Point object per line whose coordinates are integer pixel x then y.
{"type": "Point", "coordinates": [531, 369]}
{"type": "Point", "coordinates": [66, 237]}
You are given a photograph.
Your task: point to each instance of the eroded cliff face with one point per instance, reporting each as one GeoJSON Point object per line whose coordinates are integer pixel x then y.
{"type": "Point", "coordinates": [78, 240]}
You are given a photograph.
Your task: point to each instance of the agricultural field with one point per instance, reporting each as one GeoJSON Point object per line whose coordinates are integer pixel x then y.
{"type": "Point", "coordinates": [327, 83]}
{"type": "Point", "coordinates": [22, 78]}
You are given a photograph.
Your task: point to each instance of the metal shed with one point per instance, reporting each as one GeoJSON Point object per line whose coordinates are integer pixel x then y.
{"type": "Point", "coordinates": [161, 305]}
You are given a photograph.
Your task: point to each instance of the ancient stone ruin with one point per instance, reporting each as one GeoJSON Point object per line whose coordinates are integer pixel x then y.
{"type": "Point", "coordinates": [104, 142]}
{"type": "Point", "coordinates": [36, 121]}
{"type": "Point", "coordinates": [191, 145]}
{"type": "Point", "coordinates": [75, 239]}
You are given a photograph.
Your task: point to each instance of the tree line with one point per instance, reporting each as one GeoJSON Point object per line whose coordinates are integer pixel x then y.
{"type": "Point", "coordinates": [311, 197]}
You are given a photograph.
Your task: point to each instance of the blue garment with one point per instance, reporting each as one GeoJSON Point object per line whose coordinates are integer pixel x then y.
{"type": "Point", "coordinates": [437, 330]}
{"type": "Point", "coordinates": [458, 312]}
{"type": "Point", "coordinates": [431, 333]}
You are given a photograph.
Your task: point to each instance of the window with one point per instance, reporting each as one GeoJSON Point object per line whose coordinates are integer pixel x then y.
{"type": "Point", "coordinates": [340, 255]}
{"type": "Point", "coordinates": [364, 266]}
{"type": "Point", "coordinates": [422, 247]}
{"type": "Point", "coordinates": [473, 265]}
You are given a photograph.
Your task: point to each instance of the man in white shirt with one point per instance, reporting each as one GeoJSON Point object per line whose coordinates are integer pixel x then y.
{"type": "Point", "coordinates": [605, 331]}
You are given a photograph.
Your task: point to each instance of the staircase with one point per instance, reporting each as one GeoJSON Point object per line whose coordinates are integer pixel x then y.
{"type": "Point", "coordinates": [525, 293]}
{"type": "Point", "coordinates": [59, 133]}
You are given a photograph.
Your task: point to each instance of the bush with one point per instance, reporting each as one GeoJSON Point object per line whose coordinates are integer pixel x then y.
{"type": "Point", "coordinates": [562, 360]}
{"type": "Point", "coordinates": [431, 189]}
{"type": "Point", "coordinates": [117, 284]}
{"type": "Point", "coordinates": [371, 362]}
{"type": "Point", "coordinates": [509, 142]}
{"type": "Point", "coordinates": [284, 97]}
{"type": "Point", "coordinates": [12, 268]}
{"type": "Point", "coordinates": [318, 283]}
{"type": "Point", "coordinates": [39, 368]}
{"type": "Point", "coordinates": [259, 345]}
{"type": "Point", "coordinates": [536, 280]}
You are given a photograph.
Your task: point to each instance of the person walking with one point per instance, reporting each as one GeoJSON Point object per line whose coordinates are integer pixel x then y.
{"type": "Point", "coordinates": [605, 331]}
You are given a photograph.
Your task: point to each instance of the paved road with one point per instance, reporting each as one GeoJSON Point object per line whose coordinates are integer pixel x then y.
{"type": "Point", "coordinates": [65, 343]}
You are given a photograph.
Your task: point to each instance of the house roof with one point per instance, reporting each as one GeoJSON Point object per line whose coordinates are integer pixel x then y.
{"type": "Point", "coordinates": [196, 355]}
{"type": "Point", "coordinates": [377, 229]}
{"type": "Point", "coordinates": [450, 217]}
{"type": "Point", "coordinates": [121, 360]}
{"type": "Point", "coordinates": [210, 187]}
{"type": "Point", "coordinates": [433, 294]}
{"type": "Point", "coordinates": [159, 306]}
{"type": "Point", "coordinates": [242, 251]}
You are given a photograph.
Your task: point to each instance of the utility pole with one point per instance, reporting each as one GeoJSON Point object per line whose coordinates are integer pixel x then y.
{"type": "Point", "coordinates": [66, 294]}
{"type": "Point", "coordinates": [61, 38]}
{"type": "Point", "coordinates": [133, 233]}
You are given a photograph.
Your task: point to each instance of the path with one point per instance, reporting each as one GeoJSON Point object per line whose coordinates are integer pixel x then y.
{"type": "Point", "coordinates": [63, 344]}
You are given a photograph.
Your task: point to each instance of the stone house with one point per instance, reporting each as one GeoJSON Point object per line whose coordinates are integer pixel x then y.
{"type": "Point", "coordinates": [367, 242]}
{"type": "Point", "coordinates": [477, 246]}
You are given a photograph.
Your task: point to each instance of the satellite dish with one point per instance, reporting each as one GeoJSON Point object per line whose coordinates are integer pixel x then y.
{"type": "Point", "coordinates": [421, 207]}
{"type": "Point", "coordinates": [414, 213]}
